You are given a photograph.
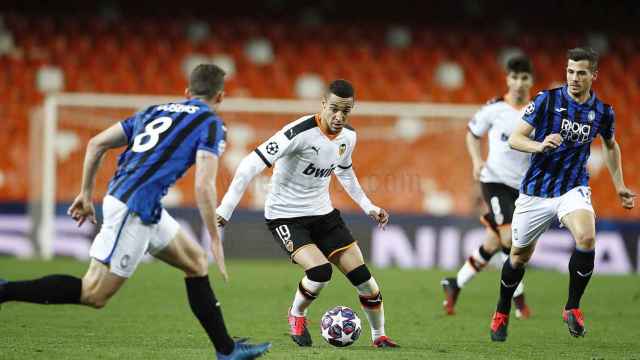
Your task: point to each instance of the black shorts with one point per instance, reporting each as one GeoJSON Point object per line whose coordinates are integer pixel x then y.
{"type": "Point", "coordinates": [500, 200]}
{"type": "Point", "coordinates": [328, 232]}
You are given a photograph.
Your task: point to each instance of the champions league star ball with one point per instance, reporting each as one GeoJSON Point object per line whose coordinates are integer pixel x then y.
{"type": "Point", "coordinates": [340, 326]}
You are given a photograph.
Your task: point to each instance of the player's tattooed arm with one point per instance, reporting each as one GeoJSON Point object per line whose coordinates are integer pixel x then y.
{"type": "Point", "coordinates": [82, 207]}
{"type": "Point", "coordinates": [519, 140]}
{"type": "Point", "coordinates": [613, 159]}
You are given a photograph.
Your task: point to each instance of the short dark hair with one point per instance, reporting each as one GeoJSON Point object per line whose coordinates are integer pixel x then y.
{"type": "Point", "coordinates": [583, 53]}
{"type": "Point", "coordinates": [206, 80]}
{"type": "Point", "coordinates": [341, 88]}
{"type": "Point", "coordinates": [519, 64]}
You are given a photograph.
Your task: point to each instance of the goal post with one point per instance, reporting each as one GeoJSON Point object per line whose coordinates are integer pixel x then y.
{"type": "Point", "coordinates": [96, 111]}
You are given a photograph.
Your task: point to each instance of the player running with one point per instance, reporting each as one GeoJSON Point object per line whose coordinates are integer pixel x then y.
{"type": "Point", "coordinates": [499, 179]}
{"type": "Point", "coordinates": [162, 142]}
{"type": "Point", "coordinates": [566, 120]}
{"type": "Point", "coordinates": [298, 210]}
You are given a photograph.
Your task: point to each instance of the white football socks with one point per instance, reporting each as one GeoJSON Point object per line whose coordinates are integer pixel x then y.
{"type": "Point", "coordinates": [302, 301]}
{"type": "Point", "coordinates": [375, 315]}
{"type": "Point", "coordinates": [468, 271]}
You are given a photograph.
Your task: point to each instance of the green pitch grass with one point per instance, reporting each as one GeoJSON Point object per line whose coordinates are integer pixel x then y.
{"type": "Point", "coordinates": [150, 317]}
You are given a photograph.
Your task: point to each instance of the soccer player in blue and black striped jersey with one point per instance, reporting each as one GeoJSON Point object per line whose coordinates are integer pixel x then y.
{"type": "Point", "coordinates": [558, 128]}
{"type": "Point", "coordinates": [162, 142]}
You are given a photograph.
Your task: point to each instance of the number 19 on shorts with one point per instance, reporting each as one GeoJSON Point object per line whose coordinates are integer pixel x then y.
{"type": "Point", "coordinates": [284, 233]}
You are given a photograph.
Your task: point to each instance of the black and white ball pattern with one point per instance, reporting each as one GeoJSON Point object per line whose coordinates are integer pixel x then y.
{"type": "Point", "coordinates": [272, 148]}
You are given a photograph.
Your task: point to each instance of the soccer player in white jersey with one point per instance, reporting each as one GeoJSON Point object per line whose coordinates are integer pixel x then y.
{"type": "Point", "coordinates": [298, 210]}
{"type": "Point", "coordinates": [162, 142]}
{"type": "Point", "coordinates": [558, 128]}
{"type": "Point", "coordinates": [499, 178]}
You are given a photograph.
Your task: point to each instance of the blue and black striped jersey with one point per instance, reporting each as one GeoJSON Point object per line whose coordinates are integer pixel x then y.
{"type": "Point", "coordinates": [553, 173]}
{"type": "Point", "coordinates": [162, 145]}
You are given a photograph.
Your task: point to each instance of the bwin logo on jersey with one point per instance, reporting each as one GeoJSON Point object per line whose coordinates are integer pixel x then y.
{"type": "Point", "coordinates": [574, 131]}
{"type": "Point", "coordinates": [318, 172]}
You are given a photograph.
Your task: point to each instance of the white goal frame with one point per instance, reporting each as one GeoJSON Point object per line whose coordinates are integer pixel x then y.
{"type": "Point", "coordinates": [44, 231]}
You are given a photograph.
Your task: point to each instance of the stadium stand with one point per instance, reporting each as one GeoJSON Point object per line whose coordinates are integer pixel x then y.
{"type": "Point", "coordinates": [130, 55]}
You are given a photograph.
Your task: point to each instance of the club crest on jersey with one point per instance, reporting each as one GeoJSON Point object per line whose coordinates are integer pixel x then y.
{"type": "Point", "coordinates": [591, 116]}
{"type": "Point", "coordinates": [530, 108]}
{"type": "Point", "coordinates": [272, 148]}
{"type": "Point", "coordinates": [342, 149]}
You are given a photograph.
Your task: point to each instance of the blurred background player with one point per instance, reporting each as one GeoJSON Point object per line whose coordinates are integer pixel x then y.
{"type": "Point", "coordinates": [162, 142]}
{"type": "Point", "coordinates": [299, 213]}
{"type": "Point", "coordinates": [566, 120]}
{"type": "Point", "coordinates": [499, 178]}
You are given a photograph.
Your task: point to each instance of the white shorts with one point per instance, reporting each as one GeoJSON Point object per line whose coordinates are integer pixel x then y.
{"type": "Point", "coordinates": [124, 239]}
{"type": "Point", "coordinates": [534, 215]}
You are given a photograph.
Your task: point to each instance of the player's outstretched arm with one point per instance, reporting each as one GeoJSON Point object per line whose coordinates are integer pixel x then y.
{"type": "Point", "coordinates": [249, 167]}
{"type": "Point", "coordinates": [349, 181]}
{"type": "Point", "coordinates": [475, 152]}
{"type": "Point", "coordinates": [82, 207]}
{"type": "Point", "coordinates": [205, 186]}
{"type": "Point", "coordinates": [519, 140]}
{"type": "Point", "coordinates": [613, 159]}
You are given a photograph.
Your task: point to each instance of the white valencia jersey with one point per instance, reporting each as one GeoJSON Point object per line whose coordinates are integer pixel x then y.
{"type": "Point", "coordinates": [504, 165]}
{"type": "Point", "coordinates": [304, 158]}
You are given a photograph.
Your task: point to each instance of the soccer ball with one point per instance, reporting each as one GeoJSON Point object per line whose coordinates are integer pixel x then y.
{"type": "Point", "coordinates": [340, 326]}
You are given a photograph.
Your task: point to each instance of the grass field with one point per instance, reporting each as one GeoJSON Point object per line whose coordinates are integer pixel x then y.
{"type": "Point", "coordinates": [150, 317]}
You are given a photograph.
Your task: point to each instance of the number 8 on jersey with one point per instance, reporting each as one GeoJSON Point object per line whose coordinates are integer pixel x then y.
{"type": "Point", "coordinates": [152, 131]}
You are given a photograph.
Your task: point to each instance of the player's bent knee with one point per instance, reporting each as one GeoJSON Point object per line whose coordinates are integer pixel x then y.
{"type": "Point", "coordinates": [519, 260]}
{"type": "Point", "coordinates": [491, 245]}
{"type": "Point", "coordinates": [359, 275]}
{"type": "Point", "coordinates": [368, 289]}
{"type": "Point", "coordinates": [98, 303]}
{"type": "Point", "coordinates": [585, 241]}
{"type": "Point", "coordinates": [321, 273]}
{"type": "Point", "coordinates": [505, 241]}
{"type": "Point", "coordinates": [89, 295]}
{"type": "Point", "coordinates": [94, 300]}
{"type": "Point", "coordinates": [199, 265]}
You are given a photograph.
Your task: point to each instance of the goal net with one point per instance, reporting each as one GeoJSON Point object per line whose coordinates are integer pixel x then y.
{"type": "Point", "coordinates": [410, 156]}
